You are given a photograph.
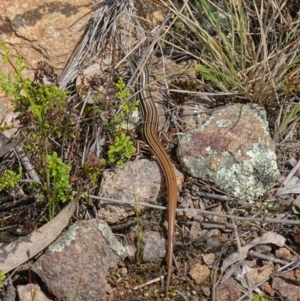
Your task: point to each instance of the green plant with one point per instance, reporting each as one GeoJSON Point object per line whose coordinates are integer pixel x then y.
{"type": "Point", "coordinates": [93, 167]}
{"type": "Point", "coordinates": [44, 109]}
{"type": "Point", "coordinates": [93, 170]}
{"type": "Point", "coordinates": [33, 295]}
{"type": "Point", "coordinates": [290, 115]}
{"type": "Point", "coordinates": [46, 104]}
{"type": "Point", "coordinates": [58, 187]}
{"type": "Point", "coordinates": [258, 297]}
{"type": "Point", "coordinates": [2, 278]}
{"type": "Point", "coordinates": [79, 284]}
{"type": "Point", "coordinates": [11, 84]}
{"type": "Point", "coordinates": [121, 150]}
{"type": "Point", "coordinates": [123, 91]}
{"type": "Point", "coordinates": [9, 179]}
{"type": "Point", "coordinates": [5, 127]}
{"type": "Point", "coordinates": [127, 107]}
{"type": "Point", "coordinates": [290, 119]}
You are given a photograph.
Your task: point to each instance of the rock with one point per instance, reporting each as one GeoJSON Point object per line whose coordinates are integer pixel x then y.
{"type": "Point", "coordinates": [209, 259]}
{"type": "Point", "coordinates": [296, 204]}
{"type": "Point", "coordinates": [199, 273]}
{"type": "Point", "coordinates": [206, 291]}
{"type": "Point", "coordinates": [288, 290]}
{"type": "Point", "coordinates": [124, 271]}
{"type": "Point", "coordinates": [213, 243]}
{"type": "Point", "coordinates": [263, 249]}
{"type": "Point", "coordinates": [232, 149]}
{"type": "Point", "coordinates": [3, 110]}
{"type": "Point", "coordinates": [193, 114]}
{"type": "Point", "coordinates": [154, 246]}
{"type": "Point", "coordinates": [266, 287]}
{"type": "Point", "coordinates": [196, 227]}
{"type": "Point", "coordinates": [257, 275]}
{"type": "Point", "coordinates": [42, 30]}
{"type": "Point", "coordinates": [26, 292]}
{"type": "Point", "coordinates": [228, 290]}
{"type": "Point", "coordinates": [10, 293]}
{"type": "Point", "coordinates": [283, 253]}
{"type": "Point", "coordinates": [140, 181]}
{"type": "Point", "coordinates": [205, 236]}
{"type": "Point", "coordinates": [79, 260]}
{"type": "Point", "coordinates": [297, 236]}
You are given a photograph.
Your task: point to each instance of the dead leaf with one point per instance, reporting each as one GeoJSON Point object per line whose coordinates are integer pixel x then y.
{"type": "Point", "coordinates": [21, 250]}
{"type": "Point", "coordinates": [293, 186]}
{"type": "Point", "coordinates": [266, 238]}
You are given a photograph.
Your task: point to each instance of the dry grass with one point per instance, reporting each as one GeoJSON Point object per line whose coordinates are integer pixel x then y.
{"type": "Point", "coordinates": [248, 48]}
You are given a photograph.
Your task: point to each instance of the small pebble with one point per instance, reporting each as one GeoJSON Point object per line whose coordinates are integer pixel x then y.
{"type": "Point", "coordinates": [206, 291]}
{"type": "Point", "coordinates": [124, 271]}
{"type": "Point", "coordinates": [108, 288]}
{"type": "Point", "coordinates": [209, 259]}
{"type": "Point", "coordinates": [283, 253]}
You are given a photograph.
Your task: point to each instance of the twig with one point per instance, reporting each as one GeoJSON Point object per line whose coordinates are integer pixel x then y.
{"type": "Point", "coordinates": [224, 198]}
{"type": "Point", "coordinates": [215, 282]}
{"type": "Point", "coordinates": [297, 262]}
{"type": "Point", "coordinates": [245, 284]}
{"type": "Point", "coordinates": [215, 196]}
{"type": "Point", "coordinates": [27, 164]}
{"type": "Point", "coordinates": [202, 93]}
{"type": "Point", "coordinates": [182, 295]}
{"type": "Point", "coordinates": [267, 257]}
{"type": "Point", "coordinates": [240, 218]}
{"type": "Point", "coordinates": [291, 174]}
{"type": "Point", "coordinates": [148, 282]}
{"type": "Point", "coordinates": [15, 203]}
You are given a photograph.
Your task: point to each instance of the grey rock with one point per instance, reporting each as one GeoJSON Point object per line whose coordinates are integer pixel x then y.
{"type": "Point", "coordinates": [154, 246]}
{"type": "Point", "coordinates": [232, 149]}
{"type": "Point", "coordinates": [140, 180]}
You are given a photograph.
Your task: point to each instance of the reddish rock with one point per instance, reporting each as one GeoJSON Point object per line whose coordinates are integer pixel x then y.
{"type": "Point", "coordinates": [289, 290]}
{"type": "Point", "coordinates": [228, 290]}
{"type": "Point", "coordinates": [42, 30]}
{"type": "Point", "coordinates": [79, 260]}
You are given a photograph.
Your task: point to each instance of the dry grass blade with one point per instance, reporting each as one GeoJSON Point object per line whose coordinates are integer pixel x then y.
{"type": "Point", "coordinates": [103, 25]}
{"type": "Point", "coordinates": [241, 47]}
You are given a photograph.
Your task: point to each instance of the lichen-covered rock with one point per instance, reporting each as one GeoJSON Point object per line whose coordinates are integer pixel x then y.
{"type": "Point", "coordinates": [232, 149]}
{"type": "Point", "coordinates": [78, 261]}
